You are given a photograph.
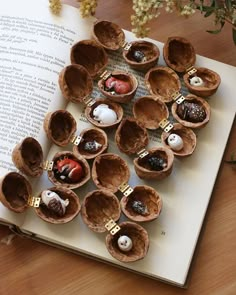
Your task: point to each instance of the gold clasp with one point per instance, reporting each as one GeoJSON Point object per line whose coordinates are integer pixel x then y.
{"type": "Point", "coordinates": [33, 201]}
{"type": "Point", "coordinates": [48, 165]}
{"type": "Point", "coordinates": [76, 139]}
{"type": "Point", "coordinates": [112, 227]}
{"type": "Point", "coordinates": [178, 97]}
{"type": "Point", "coordinates": [166, 125]}
{"type": "Point", "coordinates": [125, 189]}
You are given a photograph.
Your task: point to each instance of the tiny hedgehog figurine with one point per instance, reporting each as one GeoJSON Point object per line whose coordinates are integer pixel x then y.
{"type": "Point", "coordinates": [92, 146]}
{"type": "Point", "coordinates": [140, 208]}
{"type": "Point", "coordinates": [53, 201]}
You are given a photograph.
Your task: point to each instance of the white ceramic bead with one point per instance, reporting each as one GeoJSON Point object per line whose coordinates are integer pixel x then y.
{"type": "Point", "coordinates": [175, 142]}
{"type": "Point", "coordinates": [196, 81]}
{"type": "Point", "coordinates": [125, 243]}
{"type": "Point", "coordinates": [104, 115]}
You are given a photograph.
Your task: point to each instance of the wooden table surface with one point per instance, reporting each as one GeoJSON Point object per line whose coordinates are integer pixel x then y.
{"type": "Point", "coordinates": [29, 267]}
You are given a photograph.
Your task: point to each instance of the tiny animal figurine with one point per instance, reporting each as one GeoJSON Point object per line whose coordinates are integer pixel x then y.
{"type": "Point", "coordinates": [53, 201]}
{"type": "Point", "coordinates": [92, 146]}
{"type": "Point", "coordinates": [118, 86]}
{"type": "Point", "coordinates": [175, 142]}
{"type": "Point", "coordinates": [139, 56]}
{"type": "Point", "coordinates": [125, 243]}
{"type": "Point", "coordinates": [69, 170]}
{"type": "Point", "coordinates": [140, 208]}
{"type": "Point", "coordinates": [196, 81]}
{"type": "Point", "coordinates": [157, 163]}
{"type": "Point", "coordinates": [104, 115]}
{"type": "Point", "coordinates": [191, 112]}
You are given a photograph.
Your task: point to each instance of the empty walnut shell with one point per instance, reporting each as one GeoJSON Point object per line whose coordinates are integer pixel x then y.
{"type": "Point", "coordinates": [75, 83]}
{"type": "Point", "coordinates": [99, 143]}
{"type": "Point", "coordinates": [89, 111]}
{"type": "Point", "coordinates": [162, 81]}
{"type": "Point", "coordinates": [14, 192]}
{"type": "Point", "coordinates": [188, 137]}
{"type": "Point", "coordinates": [144, 167]}
{"type": "Point", "coordinates": [141, 55]}
{"type": "Point", "coordinates": [179, 54]}
{"type": "Point", "coordinates": [210, 79]}
{"type": "Point", "coordinates": [202, 111]}
{"type": "Point", "coordinates": [101, 176]}
{"type": "Point", "coordinates": [91, 55]}
{"type": "Point", "coordinates": [69, 174]}
{"type": "Point", "coordinates": [140, 241]}
{"type": "Point", "coordinates": [127, 79]}
{"type": "Point", "coordinates": [131, 136]}
{"type": "Point", "coordinates": [150, 111]}
{"type": "Point", "coordinates": [108, 34]}
{"type": "Point", "coordinates": [143, 204]}
{"type": "Point", "coordinates": [28, 157]}
{"type": "Point", "coordinates": [60, 126]}
{"type": "Point", "coordinates": [98, 207]}
{"type": "Point", "coordinates": [72, 209]}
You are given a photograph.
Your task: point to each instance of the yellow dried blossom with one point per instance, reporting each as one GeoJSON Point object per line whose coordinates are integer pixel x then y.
{"type": "Point", "coordinates": [55, 6]}
{"type": "Point", "coordinates": [87, 7]}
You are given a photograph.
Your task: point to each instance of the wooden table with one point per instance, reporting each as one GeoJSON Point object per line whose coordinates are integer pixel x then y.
{"type": "Point", "coordinates": [29, 267]}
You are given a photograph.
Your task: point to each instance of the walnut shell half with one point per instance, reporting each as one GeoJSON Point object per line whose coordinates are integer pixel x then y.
{"type": "Point", "coordinates": [109, 171]}
{"type": "Point", "coordinates": [15, 191]}
{"type": "Point", "coordinates": [140, 241]}
{"type": "Point", "coordinates": [150, 111]}
{"type": "Point", "coordinates": [72, 210]}
{"type": "Point", "coordinates": [141, 55]}
{"type": "Point", "coordinates": [124, 89]}
{"type": "Point", "coordinates": [28, 157]}
{"type": "Point", "coordinates": [156, 165]}
{"type": "Point", "coordinates": [91, 55]}
{"type": "Point", "coordinates": [60, 126]}
{"type": "Point", "coordinates": [68, 170]}
{"type": "Point", "coordinates": [179, 54]}
{"type": "Point", "coordinates": [162, 81]}
{"type": "Point", "coordinates": [108, 34]}
{"type": "Point", "coordinates": [211, 81]}
{"type": "Point", "coordinates": [131, 136]}
{"type": "Point", "coordinates": [75, 83]}
{"type": "Point", "coordinates": [143, 204]}
{"type": "Point", "coordinates": [98, 207]}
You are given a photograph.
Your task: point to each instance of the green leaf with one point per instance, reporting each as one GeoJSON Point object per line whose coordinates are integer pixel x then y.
{"type": "Point", "coordinates": [228, 4]}
{"type": "Point", "coordinates": [234, 35]}
{"type": "Point", "coordinates": [217, 31]}
{"type": "Point", "coordinates": [208, 13]}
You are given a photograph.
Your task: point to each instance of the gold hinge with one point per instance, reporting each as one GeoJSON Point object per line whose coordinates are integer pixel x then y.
{"type": "Point", "coordinates": [178, 97]}
{"type": "Point", "coordinates": [89, 101]}
{"type": "Point", "coordinates": [143, 153]}
{"type": "Point", "coordinates": [191, 70]}
{"type": "Point", "coordinates": [33, 201]}
{"type": "Point", "coordinates": [166, 125]}
{"type": "Point", "coordinates": [105, 75]}
{"type": "Point", "coordinates": [125, 189]}
{"type": "Point", "coordinates": [76, 139]}
{"type": "Point", "coordinates": [112, 227]}
{"type": "Point", "coordinates": [48, 165]}
{"type": "Point", "coordinates": [126, 45]}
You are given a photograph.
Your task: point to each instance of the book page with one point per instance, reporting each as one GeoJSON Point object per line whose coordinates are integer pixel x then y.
{"type": "Point", "coordinates": [185, 193]}
{"type": "Point", "coordinates": [34, 46]}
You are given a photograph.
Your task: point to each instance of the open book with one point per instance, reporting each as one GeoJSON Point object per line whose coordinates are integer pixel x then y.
{"type": "Point", "coordinates": [34, 48]}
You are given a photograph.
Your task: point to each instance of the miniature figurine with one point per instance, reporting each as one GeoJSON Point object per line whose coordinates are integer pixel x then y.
{"type": "Point", "coordinates": [118, 86]}
{"type": "Point", "coordinates": [191, 112]}
{"type": "Point", "coordinates": [157, 163]}
{"type": "Point", "coordinates": [92, 146]}
{"type": "Point", "coordinates": [140, 208]}
{"type": "Point", "coordinates": [69, 170]}
{"type": "Point", "coordinates": [54, 202]}
{"type": "Point", "coordinates": [104, 115]}
{"type": "Point", "coordinates": [139, 56]}
{"type": "Point", "coordinates": [125, 243]}
{"type": "Point", "coordinates": [175, 142]}
{"type": "Point", "coordinates": [196, 81]}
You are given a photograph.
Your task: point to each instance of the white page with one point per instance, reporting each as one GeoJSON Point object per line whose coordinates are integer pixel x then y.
{"type": "Point", "coordinates": [185, 193]}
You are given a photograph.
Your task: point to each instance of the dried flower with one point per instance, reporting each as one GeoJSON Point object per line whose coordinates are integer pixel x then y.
{"type": "Point", "coordinates": [55, 6]}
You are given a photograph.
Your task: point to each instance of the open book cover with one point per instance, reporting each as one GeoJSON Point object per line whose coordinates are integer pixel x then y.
{"type": "Point", "coordinates": [35, 47]}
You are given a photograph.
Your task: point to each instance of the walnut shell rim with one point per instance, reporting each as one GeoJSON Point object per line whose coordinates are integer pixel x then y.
{"type": "Point", "coordinates": [179, 54]}
{"type": "Point", "coordinates": [188, 136]}
{"type": "Point", "coordinates": [150, 111]}
{"type": "Point", "coordinates": [121, 98]}
{"type": "Point", "coordinates": [139, 237]}
{"type": "Point", "coordinates": [108, 34]}
{"type": "Point", "coordinates": [211, 79]}
{"type": "Point", "coordinates": [73, 185]}
{"type": "Point", "coordinates": [200, 101]}
{"type": "Point", "coordinates": [60, 126]}
{"type": "Point", "coordinates": [27, 156]}
{"type": "Point", "coordinates": [100, 172]}
{"type": "Point", "coordinates": [15, 191]}
{"type": "Point", "coordinates": [162, 81]}
{"type": "Point", "coordinates": [72, 210]}
{"type": "Point", "coordinates": [149, 197]}
{"type": "Point", "coordinates": [148, 48]}
{"type": "Point", "coordinates": [90, 134]}
{"type": "Point", "coordinates": [98, 207]}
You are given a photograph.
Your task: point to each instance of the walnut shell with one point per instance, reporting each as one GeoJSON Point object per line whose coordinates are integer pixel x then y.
{"type": "Point", "coordinates": [162, 81]}
{"type": "Point", "coordinates": [72, 210]}
{"type": "Point", "coordinates": [27, 156]}
{"type": "Point", "coordinates": [122, 76]}
{"type": "Point", "coordinates": [91, 55]}
{"type": "Point", "coordinates": [60, 126]}
{"type": "Point", "coordinates": [98, 207]}
{"type": "Point", "coordinates": [139, 237]}
{"type": "Point", "coordinates": [15, 191]}
{"type": "Point", "coordinates": [144, 170]}
{"type": "Point", "coordinates": [108, 34]}
{"type": "Point", "coordinates": [131, 136]}
{"type": "Point", "coordinates": [75, 83]}
{"type": "Point", "coordinates": [150, 51]}
{"type": "Point", "coordinates": [61, 158]}
{"type": "Point", "coordinates": [101, 168]}
{"type": "Point", "coordinates": [210, 79]}
{"type": "Point", "coordinates": [112, 105]}
{"type": "Point", "coordinates": [179, 54]}
{"type": "Point", "coordinates": [188, 136]}
{"type": "Point", "coordinates": [150, 111]}
{"type": "Point", "coordinates": [196, 100]}
{"type": "Point", "coordinates": [150, 200]}
{"type": "Point", "coordinates": [89, 135]}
